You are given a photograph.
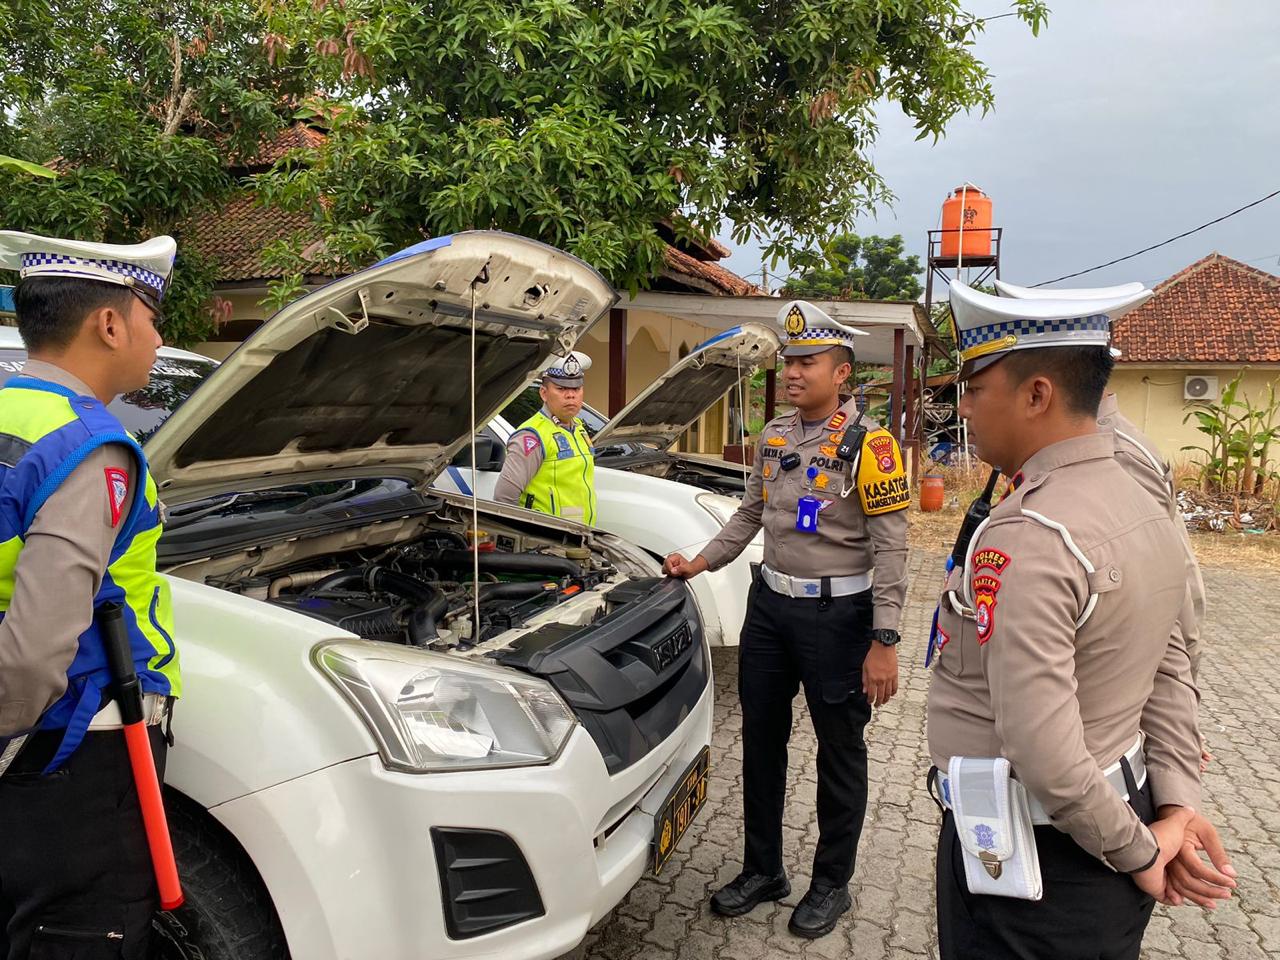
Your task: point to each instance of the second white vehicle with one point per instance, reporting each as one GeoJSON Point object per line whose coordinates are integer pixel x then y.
{"type": "Point", "coordinates": [664, 501]}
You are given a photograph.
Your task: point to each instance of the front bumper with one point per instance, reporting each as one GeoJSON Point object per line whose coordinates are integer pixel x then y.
{"type": "Point", "coordinates": [347, 851]}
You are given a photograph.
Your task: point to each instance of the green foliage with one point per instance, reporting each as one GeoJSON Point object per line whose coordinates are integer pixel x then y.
{"type": "Point", "coordinates": [1240, 431]}
{"type": "Point", "coordinates": [861, 268]}
{"type": "Point", "coordinates": [138, 107]}
{"type": "Point", "coordinates": [583, 124]}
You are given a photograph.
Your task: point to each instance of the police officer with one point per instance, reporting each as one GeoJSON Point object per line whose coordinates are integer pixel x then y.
{"type": "Point", "coordinates": [80, 521]}
{"type": "Point", "coordinates": [1053, 635]}
{"type": "Point", "coordinates": [550, 463]}
{"type": "Point", "coordinates": [1141, 459]}
{"type": "Point", "coordinates": [829, 489]}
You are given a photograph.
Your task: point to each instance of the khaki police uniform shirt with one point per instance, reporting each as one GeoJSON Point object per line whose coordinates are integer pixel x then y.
{"type": "Point", "coordinates": [523, 461]}
{"type": "Point", "coordinates": [59, 573]}
{"type": "Point", "coordinates": [848, 542]}
{"type": "Point", "coordinates": [1016, 677]}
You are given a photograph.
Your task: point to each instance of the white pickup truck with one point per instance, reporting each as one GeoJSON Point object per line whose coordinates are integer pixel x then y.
{"type": "Point", "coordinates": [379, 756]}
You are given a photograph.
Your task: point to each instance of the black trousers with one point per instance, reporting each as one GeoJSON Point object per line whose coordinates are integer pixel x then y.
{"type": "Point", "coordinates": [1088, 912]}
{"type": "Point", "coordinates": [76, 881]}
{"type": "Point", "coordinates": [820, 644]}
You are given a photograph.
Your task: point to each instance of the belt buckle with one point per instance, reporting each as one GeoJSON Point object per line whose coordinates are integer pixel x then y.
{"type": "Point", "coordinates": [784, 582]}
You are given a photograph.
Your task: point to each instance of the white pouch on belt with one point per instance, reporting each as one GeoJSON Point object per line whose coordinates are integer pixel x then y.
{"type": "Point", "coordinates": [994, 826]}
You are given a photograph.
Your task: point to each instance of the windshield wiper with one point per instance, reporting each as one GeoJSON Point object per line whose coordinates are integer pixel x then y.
{"type": "Point", "coordinates": [189, 513]}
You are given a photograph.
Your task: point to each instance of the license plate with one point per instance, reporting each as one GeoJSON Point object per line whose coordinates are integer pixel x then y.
{"type": "Point", "coordinates": [683, 803]}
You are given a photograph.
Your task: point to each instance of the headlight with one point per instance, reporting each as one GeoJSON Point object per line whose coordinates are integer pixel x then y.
{"type": "Point", "coordinates": [430, 712]}
{"type": "Point", "coordinates": [719, 506]}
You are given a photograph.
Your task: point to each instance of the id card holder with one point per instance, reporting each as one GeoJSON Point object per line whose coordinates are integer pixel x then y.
{"type": "Point", "coordinates": [807, 514]}
{"type": "Point", "coordinates": [993, 824]}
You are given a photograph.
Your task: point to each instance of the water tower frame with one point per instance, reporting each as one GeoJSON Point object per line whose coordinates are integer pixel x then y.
{"type": "Point", "coordinates": [974, 270]}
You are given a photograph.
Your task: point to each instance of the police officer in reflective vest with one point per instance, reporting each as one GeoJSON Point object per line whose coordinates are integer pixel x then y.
{"type": "Point", "coordinates": [829, 489]}
{"type": "Point", "coordinates": [550, 464]}
{"type": "Point", "coordinates": [80, 519]}
{"type": "Point", "coordinates": [1057, 649]}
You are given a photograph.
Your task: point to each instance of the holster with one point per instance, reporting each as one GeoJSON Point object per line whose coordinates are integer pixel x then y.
{"type": "Point", "coordinates": [993, 824]}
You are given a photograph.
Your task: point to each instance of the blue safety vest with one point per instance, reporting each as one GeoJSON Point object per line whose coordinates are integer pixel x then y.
{"type": "Point", "coordinates": [46, 431]}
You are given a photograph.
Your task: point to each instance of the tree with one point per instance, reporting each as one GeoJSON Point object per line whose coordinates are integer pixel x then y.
{"type": "Point", "coordinates": [136, 106]}
{"type": "Point", "coordinates": [864, 268]}
{"type": "Point", "coordinates": [584, 124]}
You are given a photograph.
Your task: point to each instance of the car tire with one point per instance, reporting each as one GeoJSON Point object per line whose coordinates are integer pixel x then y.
{"type": "Point", "coordinates": [227, 914]}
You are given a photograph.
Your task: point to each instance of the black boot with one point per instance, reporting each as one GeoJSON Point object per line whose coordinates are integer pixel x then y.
{"type": "Point", "coordinates": [746, 891]}
{"type": "Point", "coordinates": [818, 912]}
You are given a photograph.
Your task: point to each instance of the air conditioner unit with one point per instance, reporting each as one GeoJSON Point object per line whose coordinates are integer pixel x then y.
{"type": "Point", "coordinates": [1200, 388]}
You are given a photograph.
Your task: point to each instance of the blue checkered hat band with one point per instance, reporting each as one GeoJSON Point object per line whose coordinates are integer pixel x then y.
{"type": "Point", "coordinates": [1099, 322]}
{"type": "Point", "coordinates": [40, 263]}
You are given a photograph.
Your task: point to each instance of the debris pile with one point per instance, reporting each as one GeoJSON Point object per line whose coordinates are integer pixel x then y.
{"type": "Point", "coordinates": [1223, 512]}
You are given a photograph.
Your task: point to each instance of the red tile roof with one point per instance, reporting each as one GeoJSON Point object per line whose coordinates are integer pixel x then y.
{"type": "Point", "coordinates": [704, 274]}
{"type": "Point", "coordinates": [293, 137]}
{"type": "Point", "coordinates": [1217, 310]}
{"type": "Point", "coordinates": [235, 236]}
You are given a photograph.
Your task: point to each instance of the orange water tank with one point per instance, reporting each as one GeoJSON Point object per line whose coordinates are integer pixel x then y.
{"type": "Point", "coordinates": [968, 208]}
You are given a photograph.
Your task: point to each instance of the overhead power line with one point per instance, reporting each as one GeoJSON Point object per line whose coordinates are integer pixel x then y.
{"type": "Point", "coordinates": [1154, 246]}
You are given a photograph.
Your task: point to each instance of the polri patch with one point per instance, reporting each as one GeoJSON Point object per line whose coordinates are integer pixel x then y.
{"type": "Point", "coordinates": [117, 492]}
{"type": "Point", "coordinates": [882, 447]}
{"type": "Point", "coordinates": [985, 588]}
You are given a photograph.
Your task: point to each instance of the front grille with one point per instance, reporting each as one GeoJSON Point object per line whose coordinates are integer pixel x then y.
{"type": "Point", "coordinates": [631, 677]}
{"type": "Point", "coordinates": [486, 881]}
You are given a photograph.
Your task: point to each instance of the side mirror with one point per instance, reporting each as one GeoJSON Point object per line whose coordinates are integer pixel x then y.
{"type": "Point", "coordinates": [489, 454]}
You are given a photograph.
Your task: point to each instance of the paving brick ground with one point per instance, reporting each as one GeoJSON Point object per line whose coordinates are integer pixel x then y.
{"type": "Point", "coordinates": [667, 918]}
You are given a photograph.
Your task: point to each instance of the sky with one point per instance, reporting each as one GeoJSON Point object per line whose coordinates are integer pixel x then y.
{"type": "Point", "coordinates": [1124, 123]}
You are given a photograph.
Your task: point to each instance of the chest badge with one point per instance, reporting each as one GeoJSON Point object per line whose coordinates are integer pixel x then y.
{"type": "Point", "coordinates": [563, 450]}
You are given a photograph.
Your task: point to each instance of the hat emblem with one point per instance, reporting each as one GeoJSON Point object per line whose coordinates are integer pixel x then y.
{"type": "Point", "coordinates": [794, 324]}
{"type": "Point", "coordinates": [572, 366]}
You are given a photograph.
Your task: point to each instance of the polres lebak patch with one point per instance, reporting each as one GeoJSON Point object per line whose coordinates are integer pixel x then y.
{"type": "Point", "coordinates": [989, 559]}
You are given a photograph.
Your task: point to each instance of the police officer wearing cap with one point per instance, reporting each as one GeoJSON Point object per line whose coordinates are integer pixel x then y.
{"type": "Point", "coordinates": [829, 489]}
{"type": "Point", "coordinates": [79, 521]}
{"type": "Point", "coordinates": [1142, 460]}
{"type": "Point", "coordinates": [550, 463]}
{"type": "Point", "coordinates": [1054, 637]}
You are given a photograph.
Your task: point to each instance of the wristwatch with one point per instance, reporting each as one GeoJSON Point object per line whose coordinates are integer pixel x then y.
{"type": "Point", "coordinates": [889, 638]}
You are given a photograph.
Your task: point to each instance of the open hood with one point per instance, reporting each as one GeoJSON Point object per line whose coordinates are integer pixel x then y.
{"type": "Point", "coordinates": [370, 375]}
{"type": "Point", "coordinates": [670, 405]}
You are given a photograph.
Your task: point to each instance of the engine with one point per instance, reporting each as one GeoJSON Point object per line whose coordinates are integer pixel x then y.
{"type": "Point", "coordinates": [424, 593]}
